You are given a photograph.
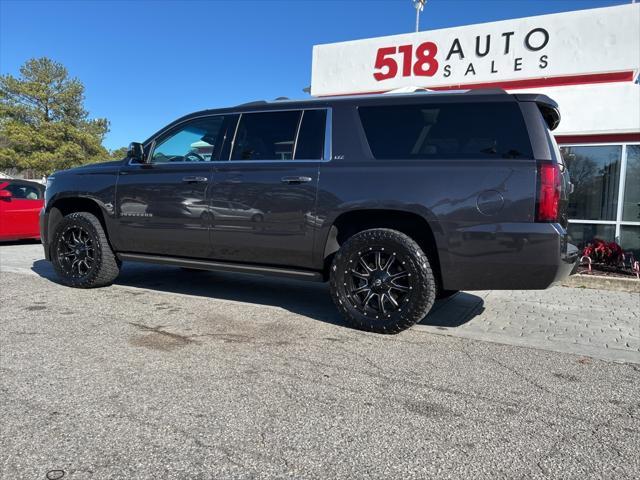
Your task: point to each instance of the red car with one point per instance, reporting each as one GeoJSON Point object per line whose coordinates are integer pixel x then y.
{"type": "Point", "coordinates": [20, 204]}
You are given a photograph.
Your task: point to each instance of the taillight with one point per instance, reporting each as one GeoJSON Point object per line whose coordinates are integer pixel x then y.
{"type": "Point", "coordinates": [549, 189]}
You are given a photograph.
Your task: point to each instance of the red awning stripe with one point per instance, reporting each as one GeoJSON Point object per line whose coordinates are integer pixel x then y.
{"type": "Point", "coordinates": [601, 138]}
{"type": "Point", "coordinates": [587, 79]}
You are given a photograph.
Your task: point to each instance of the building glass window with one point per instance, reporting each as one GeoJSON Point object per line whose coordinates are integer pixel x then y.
{"type": "Point", "coordinates": [595, 172]}
{"type": "Point", "coordinates": [630, 239]}
{"type": "Point", "coordinates": [631, 206]}
{"type": "Point", "coordinates": [583, 233]}
{"type": "Point", "coordinates": [606, 200]}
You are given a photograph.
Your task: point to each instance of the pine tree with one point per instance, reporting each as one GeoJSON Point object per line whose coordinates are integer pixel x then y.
{"type": "Point", "coordinates": [43, 123]}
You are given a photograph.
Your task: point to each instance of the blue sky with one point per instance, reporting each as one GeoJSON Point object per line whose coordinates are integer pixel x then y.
{"type": "Point", "coordinates": [144, 63]}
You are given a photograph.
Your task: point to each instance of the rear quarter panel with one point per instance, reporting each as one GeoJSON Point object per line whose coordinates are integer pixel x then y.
{"type": "Point", "coordinates": [446, 194]}
{"type": "Point", "coordinates": [481, 212]}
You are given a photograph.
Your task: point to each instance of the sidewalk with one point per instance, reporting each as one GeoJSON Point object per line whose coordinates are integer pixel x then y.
{"type": "Point", "coordinates": [598, 323]}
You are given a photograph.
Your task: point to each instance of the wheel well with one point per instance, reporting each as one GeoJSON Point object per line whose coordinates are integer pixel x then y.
{"type": "Point", "coordinates": [70, 205]}
{"type": "Point", "coordinates": [411, 224]}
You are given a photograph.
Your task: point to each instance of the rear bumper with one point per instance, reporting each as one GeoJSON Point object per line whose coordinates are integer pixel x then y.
{"type": "Point", "coordinates": [508, 256]}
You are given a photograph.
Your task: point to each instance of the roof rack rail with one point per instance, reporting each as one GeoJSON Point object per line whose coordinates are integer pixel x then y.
{"type": "Point", "coordinates": [256, 102]}
{"type": "Point", "coordinates": [279, 99]}
{"type": "Point", "coordinates": [409, 89]}
{"type": "Point", "coordinates": [485, 91]}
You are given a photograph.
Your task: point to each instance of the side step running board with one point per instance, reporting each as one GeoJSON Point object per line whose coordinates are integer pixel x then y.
{"type": "Point", "coordinates": [222, 266]}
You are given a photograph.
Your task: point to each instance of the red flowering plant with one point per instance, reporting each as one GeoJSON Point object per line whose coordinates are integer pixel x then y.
{"type": "Point", "coordinates": [605, 253]}
{"type": "Point", "coordinates": [609, 256]}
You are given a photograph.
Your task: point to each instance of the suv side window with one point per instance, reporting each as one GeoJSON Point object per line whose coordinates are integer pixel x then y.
{"type": "Point", "coordinates": [310, 143]}
{"type": "Point", "coordinates": [446, 131]}
{"type": "Point", "coordinates": [193, 141]}
{"type": "Point", "coordinates": [266, 136]}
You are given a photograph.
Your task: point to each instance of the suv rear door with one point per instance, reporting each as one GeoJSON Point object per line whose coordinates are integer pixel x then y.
{"type": "Point", "coordinates": [270, 182]}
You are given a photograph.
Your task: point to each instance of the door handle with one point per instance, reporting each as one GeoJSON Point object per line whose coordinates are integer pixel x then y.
{"type": "Point", "coordinates": [194, 179]}
{"type": "Point", "coordinates": [296, 179]}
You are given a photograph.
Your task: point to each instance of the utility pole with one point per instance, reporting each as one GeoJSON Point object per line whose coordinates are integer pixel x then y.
{"type": "Point", "coordinates": [419, 6]}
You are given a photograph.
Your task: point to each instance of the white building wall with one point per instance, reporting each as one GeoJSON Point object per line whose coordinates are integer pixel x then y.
{"type": "Point", "coordinates": [597, 42]}
{"type": "Point", "coordinates": [596, 109]}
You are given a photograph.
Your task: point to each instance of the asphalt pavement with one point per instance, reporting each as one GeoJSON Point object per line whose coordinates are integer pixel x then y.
{"type": "Point", "coordinates": [177, 374]}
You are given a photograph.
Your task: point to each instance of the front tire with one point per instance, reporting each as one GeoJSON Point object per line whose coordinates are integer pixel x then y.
{"type": "Point", "coordinates": [82, 256]}
{"type": "Point", "coordinates": [381, 281]}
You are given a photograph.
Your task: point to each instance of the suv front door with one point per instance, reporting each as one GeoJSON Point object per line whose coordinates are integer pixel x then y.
{"type": "Point", "coordinates": [264, 196]}
{"type": "Point", "coordinates": [163, 205]}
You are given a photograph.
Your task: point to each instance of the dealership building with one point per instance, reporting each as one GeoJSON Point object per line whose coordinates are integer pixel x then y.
{"type": "Point", "coordinates": [587, 61]}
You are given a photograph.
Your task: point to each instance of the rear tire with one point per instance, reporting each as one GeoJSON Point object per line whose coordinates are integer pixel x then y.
{"type": "Point", "coordinates": [81, 254]}
{"type": "Point", "coordinates": [381, 281]}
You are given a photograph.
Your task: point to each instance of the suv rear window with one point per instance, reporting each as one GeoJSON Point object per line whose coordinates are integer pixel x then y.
{"type": "Point", "coordinates": [274, 135]}
{"type": "Point", "coordinates": [310, 145]}
{"type": "Point", "coordinates": [266, 136]}
{"type": "Point", "coordinates": [443, 131]}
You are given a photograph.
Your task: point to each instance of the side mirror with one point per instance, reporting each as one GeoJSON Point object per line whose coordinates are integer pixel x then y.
{"type": "Point", "coordinates": [135, 152]}
{"type": "Point", "coordinates": [5, 195]}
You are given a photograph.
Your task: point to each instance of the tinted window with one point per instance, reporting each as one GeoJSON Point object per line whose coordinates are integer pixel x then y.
{"type": "Point", "coordinates": [310, 144]}
{"type": "Point", "coordinates": [24, 192]}
{"type": "Point", "coordinates": [266, 136]}
{"type": "Point", "coordinates": [193, 141]}
{"type": "Point", "coordinates": [631, 208]}
{"type": "Point", "coordinates": [475, 130]}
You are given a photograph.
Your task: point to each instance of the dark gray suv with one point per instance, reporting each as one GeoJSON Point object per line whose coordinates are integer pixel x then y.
{"type": "Point", "coordinates": [393, 199]}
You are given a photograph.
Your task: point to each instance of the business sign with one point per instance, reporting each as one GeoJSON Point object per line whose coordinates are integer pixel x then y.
{"type": "Point", "coordinates": [587, 46]}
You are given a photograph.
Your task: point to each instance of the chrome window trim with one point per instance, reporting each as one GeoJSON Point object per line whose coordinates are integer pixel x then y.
{"type": "Point", "coordinates": [328, 136]}
{"type": "Point", "coordinates": [295, 140]}
{"type": "Point", "coordinates": [233, 140]}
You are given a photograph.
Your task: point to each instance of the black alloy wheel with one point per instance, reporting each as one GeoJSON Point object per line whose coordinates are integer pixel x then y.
{"type": "Point", "coordinates": [81, 254]}
{"type": "Point", "coordinates": [381, 281]}
{"type": "Point", "coordinates": [76, 252]}
{"type": "Point", "coordinates": [378, 282]}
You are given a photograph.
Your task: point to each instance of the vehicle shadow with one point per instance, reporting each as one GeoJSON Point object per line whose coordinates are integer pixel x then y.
{"type": "Point", "coordinates": [11, 243]}
{"type": "Point", "coordinates": [303, 298]}
{"type": "Point", "coordinates": [454, 311]}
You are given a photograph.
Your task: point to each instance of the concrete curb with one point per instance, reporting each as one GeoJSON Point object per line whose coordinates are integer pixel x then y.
{"type": "Point", "coordinates": [601, 282]}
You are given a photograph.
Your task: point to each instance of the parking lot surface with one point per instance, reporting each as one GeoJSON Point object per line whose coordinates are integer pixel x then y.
{"type": "Point", "coordinates": [597, 323]}
{"type": "Point", "coordinates": [177, 374]}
